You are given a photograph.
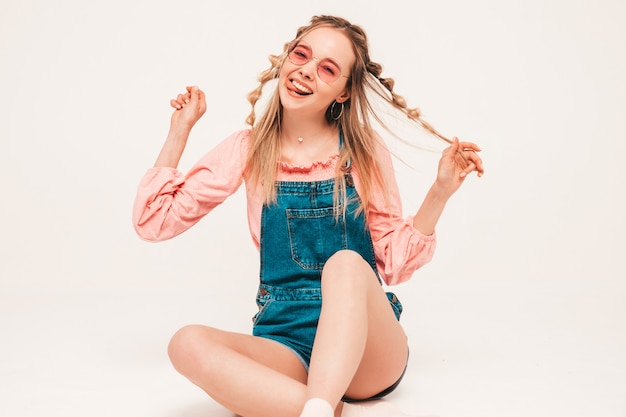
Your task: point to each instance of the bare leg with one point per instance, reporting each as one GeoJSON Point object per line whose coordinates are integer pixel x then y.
{"type": "Point", "coordinates": [251, 376]}
{"type": "Point", "coordinates": [360, 348]}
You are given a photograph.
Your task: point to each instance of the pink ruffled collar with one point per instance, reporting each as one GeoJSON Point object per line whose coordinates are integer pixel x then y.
{"type": "Point", "coordinates": [315, 166]}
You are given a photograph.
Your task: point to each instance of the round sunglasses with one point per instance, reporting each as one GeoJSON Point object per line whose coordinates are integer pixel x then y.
{"type": "Point", "coordinates": [328, 69]}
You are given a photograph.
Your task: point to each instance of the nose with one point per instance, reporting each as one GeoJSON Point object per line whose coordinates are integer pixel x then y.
{"type": "Point", "coordinates": [308, 69]}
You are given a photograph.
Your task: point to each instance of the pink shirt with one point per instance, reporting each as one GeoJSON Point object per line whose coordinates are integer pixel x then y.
{"type": "Point", "coordinates": [168, 202]}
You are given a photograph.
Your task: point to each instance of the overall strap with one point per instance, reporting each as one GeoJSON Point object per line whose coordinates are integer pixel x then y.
{"type": "Point", "coordinates": [349, 161]}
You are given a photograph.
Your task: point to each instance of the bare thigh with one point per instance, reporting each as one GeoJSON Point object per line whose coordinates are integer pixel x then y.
{"type": "Point", "coordinates": [196, 344]}
{"type": "Point", "coordinates": [386, 349]}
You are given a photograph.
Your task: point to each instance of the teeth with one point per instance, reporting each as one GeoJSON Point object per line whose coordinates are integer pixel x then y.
{"type": "Point", "coordinates": [301, 87]}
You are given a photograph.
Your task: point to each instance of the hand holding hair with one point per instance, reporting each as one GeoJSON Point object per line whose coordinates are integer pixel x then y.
{"type": "Point", "coordinates": [457, 161]}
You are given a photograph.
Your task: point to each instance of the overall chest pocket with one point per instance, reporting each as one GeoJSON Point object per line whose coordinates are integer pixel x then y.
{"type": "Point", "coordinates": [315, 235]}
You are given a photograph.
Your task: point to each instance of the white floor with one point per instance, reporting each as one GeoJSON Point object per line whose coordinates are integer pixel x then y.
{"type": "Point", "coordinates": [476, 350]}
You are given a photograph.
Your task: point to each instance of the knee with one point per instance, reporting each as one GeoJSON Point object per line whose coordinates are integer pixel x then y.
{"type": "Point", "coordinates": [188, 348]}
{"type": "Point", "coordinates": [346, 267]}
{"type": "Point", "coordinates": [346, 260]}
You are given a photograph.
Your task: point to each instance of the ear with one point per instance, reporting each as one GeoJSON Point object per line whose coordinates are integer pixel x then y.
{"type": "Point", "coordinates": [343, 97]}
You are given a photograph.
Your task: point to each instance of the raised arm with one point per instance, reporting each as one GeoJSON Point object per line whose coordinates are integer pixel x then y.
{"type": "Point", "coordinates": [188, 108]}
{"type": "Point", "coordinates": [168, 201]}
{"type": "Point", "coordinates": [452, 171]}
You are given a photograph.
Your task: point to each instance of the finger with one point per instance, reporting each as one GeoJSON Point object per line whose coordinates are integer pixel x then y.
{"type": "Point", "coordinates": [477, 162]}
{"type": "Point", "coordinates": [479, 166]}
{"type": "Point", "coordinates": [455, 144]}
{"type": "Point", "coordinates": [453, 148]}
{"type": "Point", "coordinates": [197, 98]}
{"type": "Point", "coordinates": [192, 91]}
{"type": "Point", "coordinates": [459, 151]}
{"type": "Point", "coordinates": [184, 98]}
{"type": "Point", "coordinates": [193, 94]}
{"type": "Point", "coordinates": [175, 104]}
{"type": "Point", "coordinates": [469, 146]}
{"type": "Point", "coordinates": [202, 100]}
{"type": "Point", "coordinates": [470, 167]}
{"type": "Point", "coordinates": [200, 93]}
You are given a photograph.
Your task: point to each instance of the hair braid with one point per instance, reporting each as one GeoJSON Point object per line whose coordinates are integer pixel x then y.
{"type": "Point", "coordinates": [397, 101]}
{"type": "Point", "coordinates": [265, 76]}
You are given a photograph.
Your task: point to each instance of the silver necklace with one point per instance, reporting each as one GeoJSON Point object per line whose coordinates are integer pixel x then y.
{"type": "Point", "coordinates": [301, 138]}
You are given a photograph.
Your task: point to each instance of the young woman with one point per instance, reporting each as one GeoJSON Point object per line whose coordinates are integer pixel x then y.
{"type": "Point", "coordinates": [324, 211]}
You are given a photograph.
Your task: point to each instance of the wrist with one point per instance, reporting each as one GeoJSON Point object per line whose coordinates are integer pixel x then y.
{"type": "Point", "coordinates": [180, 129]}
{"type": "Point", "coordinates": [178, 134]}
{"type": "Point", "coordinates": [440, 192]}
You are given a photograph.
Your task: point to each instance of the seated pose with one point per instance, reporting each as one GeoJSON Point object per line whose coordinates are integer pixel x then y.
{"type": "Point", "coordinates": [324, 212]}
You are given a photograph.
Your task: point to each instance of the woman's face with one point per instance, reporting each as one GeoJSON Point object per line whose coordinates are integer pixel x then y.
{"type": "Point", "coordinates": [316, 71]}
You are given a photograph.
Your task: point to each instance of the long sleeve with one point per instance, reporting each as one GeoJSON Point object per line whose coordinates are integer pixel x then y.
{"type": "Point", "coordinates": [168, 202]}
{"type": "Point", "coordinates": [400, 248]}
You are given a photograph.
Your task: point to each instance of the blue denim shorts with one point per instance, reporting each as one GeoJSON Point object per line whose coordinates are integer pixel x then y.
{"type": "Point", "coordinates": [290, 316]}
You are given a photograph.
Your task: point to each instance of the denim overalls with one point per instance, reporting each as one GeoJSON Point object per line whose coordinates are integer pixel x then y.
{"type": "Point", "coordinates": [298, 234]}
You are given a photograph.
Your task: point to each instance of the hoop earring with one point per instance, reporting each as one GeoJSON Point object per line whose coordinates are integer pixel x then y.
{"type": "Point", "coordinates": [332, 111]}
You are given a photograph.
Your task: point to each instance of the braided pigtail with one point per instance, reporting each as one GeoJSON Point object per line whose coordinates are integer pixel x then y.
{"type": "Point", "coordinates": [264, 146]}
{"type": "Point", "coordinates": [397, 101]}
{"type": "Point", "coordinates": [266, 76]}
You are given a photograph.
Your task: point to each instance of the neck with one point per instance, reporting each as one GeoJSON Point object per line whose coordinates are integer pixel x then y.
{"type": "Point", "coordinates": [311, 133]}
{"type": "Point", "coordinates": [319, 141]}
{"type": "Point", "coordinates": [311, 128]}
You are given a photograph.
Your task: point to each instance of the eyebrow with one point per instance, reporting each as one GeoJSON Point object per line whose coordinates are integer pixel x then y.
{"type": "Point", "coordinates": [303, 45]}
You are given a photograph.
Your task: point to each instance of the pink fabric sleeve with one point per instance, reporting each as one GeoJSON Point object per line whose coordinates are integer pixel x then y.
{"type": "Point", "coordinates": [169, 202]}
{"type": "Point", "coordinates": [400, 248]}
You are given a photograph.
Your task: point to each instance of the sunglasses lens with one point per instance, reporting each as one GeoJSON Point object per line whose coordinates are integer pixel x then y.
{"type": "Point", "coordinates": [299, 56]}
{"type": "Point", "coordinates": [327, 70]}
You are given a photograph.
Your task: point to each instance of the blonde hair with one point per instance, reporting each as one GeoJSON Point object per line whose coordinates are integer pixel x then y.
{"type": "Point", "coordinates": [359, 139]}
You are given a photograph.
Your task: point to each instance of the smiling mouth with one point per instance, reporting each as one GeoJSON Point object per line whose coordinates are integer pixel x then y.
{"type": "Point", "coordinates": [300, 89]}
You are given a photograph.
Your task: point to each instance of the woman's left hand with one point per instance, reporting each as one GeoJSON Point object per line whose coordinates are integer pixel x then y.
{"type": "Point", "coordinates": [456, 163]}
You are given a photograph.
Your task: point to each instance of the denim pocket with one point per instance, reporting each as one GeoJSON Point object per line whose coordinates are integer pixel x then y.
{"type": "Point", "coordinates": [315, 235]}
{"type": "Point", "coordinates": [263, 303]}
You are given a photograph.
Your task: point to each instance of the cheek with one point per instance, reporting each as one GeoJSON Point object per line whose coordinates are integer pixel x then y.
{"type": "Point", "coordinates": [280, 82]}
{"type": "Point", "coordinates": [282, 75]}
{"type": "Point", "coordinates": [286, 69]}
{"type": "Point", "coordinates": [281, 79]}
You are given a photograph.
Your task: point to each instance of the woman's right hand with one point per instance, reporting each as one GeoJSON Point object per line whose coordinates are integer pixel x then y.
{"type": "Point", "coordinates": [189, 107]}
